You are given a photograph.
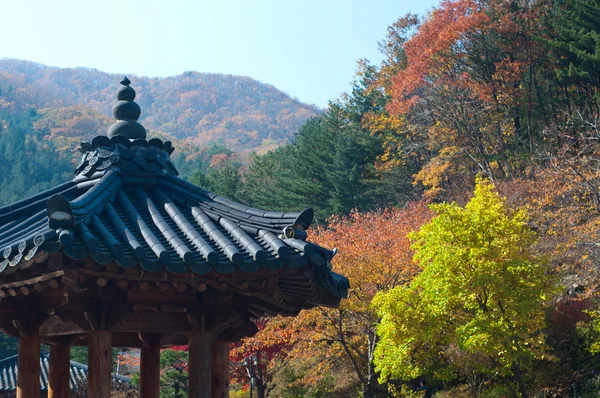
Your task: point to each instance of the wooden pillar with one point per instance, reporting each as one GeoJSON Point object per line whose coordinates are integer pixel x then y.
{"type": "Point", "coordinates": [60, 369]}
{"type": "Point", "coordinates": [220, 369]}
{"type": "Point", "coordinates": [199, 365]}
{"type": "Point", "coordinates": [28, 377]}
{"type": "Point", "coordinates": [100, 361]}
{"type": "Point", "coordinates": [150, 372]}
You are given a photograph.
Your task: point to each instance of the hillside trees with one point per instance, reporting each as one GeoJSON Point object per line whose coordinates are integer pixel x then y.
{"type": "Point", "coordinates": [478, 304]}
{"type": "Point", "coordinates": [323, 168]}
{"type": "Point", "coordinates": [474, 87]}
{"type": "Point", "coordinates": [331, 164]}
{"type": "Point", "coordinates": [374, 253]}
{"type": "Point", "coordinates": [576, 46]}
{"type": "Point", "coordinates": [269, 348]}
{"type": "Point", "coordinates": [236, 111]}
{"type": "Point", "coordinates": [25, 159]}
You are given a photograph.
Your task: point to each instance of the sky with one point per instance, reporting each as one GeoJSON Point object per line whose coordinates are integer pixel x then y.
{"type": "Point", "coordinates": [307, 48]}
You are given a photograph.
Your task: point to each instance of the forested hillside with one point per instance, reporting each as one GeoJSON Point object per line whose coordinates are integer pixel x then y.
{"type": "Point", "coordinates": [235, 111]}
{"type": "Point", "coordinates": [38, 152]}
{"type": "Point", "coordinates": [488, 112]}
{"type": "Point", "coordinates": [459, 178]}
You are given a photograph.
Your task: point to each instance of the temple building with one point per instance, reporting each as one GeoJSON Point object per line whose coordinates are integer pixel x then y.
{"type": "Point", "coordinates": [127, 254]}
{"type": "Point", "coordinates": [9, 368]}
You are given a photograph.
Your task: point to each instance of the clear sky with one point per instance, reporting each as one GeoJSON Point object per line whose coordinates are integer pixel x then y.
{"type": "Point", "coordinates": [306, 48]}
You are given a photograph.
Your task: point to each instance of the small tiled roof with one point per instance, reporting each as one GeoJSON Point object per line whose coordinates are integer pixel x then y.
{"type": "Point", "coordinates": [126, 204]}
{"type": "Point", "coordinates": [78, 374]}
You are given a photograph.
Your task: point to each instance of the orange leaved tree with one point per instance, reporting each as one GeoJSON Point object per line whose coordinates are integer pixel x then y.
{"type": "Point", "coordinates": [374, 253]}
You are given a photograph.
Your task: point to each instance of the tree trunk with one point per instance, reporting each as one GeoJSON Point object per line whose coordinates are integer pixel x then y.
{"type": "Point", "coordinates": [519, 378]}
{"type": "Point", "coordinates": [260, 390]}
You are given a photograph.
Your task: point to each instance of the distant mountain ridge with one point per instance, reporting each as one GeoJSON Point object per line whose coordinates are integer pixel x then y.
{"type": "Point", "coordinates": [236, 111]}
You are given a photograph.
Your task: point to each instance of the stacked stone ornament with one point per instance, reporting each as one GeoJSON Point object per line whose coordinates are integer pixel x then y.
{"type": "Point", "coordinates": [126, 112]}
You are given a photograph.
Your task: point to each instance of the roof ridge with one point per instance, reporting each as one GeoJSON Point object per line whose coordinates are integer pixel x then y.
{"type": "Point", "coordinates": [170, 224]}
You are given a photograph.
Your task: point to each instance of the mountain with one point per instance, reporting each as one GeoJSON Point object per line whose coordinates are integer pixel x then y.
{"type": "Point", "coordinates": [202, 108]}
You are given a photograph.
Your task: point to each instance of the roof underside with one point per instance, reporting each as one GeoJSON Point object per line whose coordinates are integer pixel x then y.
{"type": "Point", "coordinates": [158, 221]}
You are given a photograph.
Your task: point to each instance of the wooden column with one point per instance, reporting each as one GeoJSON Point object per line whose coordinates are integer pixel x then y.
{"type": "Point", "coordinates": [100, 361]}
{"type": "Point", "coordinates": [220, 369]}
{"type": "Point", "coordinates": [60, 369]}
{"type": "Point", "coordinates": [199, 365]}
{"type": "Point", "coordinates": [28, 378]}
{"type": "Point", "coordinates": [150, 372]}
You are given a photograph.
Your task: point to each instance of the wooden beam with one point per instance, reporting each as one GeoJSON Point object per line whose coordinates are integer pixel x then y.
{"type": "Point", "coordinates": [199, 365]}
{"type": "Point", "coordinates": [150, 371]}
{"type": "Point", "coordinates": [28, 378]}
{"type": "Point", "coordinates": [100, 361]}
{"type": "Point", "coordinates": [32, 281]}
{"type": "Point", "coordinates": [220, 369]}
{"type": "Point", "coordinates": [60, 369]}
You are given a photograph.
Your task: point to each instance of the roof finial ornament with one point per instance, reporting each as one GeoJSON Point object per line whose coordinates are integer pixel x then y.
{"type": "Point", "coordinates": [127, 112]}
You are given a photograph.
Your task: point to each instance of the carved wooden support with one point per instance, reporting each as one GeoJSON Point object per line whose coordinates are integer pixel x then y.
{"type": "Point", "coordinates": [103, 316]}
{"type": "Point", "coordinates": [67, 340]}
{"type": "Point", "coordinates": [150, 339]}
{"type": "Point", "coordinates": [246, 328]}
{"type": "Point", "coordinates": [28, 323]}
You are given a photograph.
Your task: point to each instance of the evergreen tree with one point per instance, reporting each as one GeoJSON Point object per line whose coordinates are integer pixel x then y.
{"type": "Point", "coordinates": [28, 163]}
{"type": "Point", "coordinates": [577, 47]}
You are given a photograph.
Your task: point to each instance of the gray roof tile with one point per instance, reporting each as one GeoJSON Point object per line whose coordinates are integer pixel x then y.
{"type": "Point", "coordinates": [78, 375]}
{"type": "Point", "coordinates": [168, 224]}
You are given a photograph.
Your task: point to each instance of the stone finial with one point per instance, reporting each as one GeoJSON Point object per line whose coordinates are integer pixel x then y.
{"type": "Point", "coordinates": [127, 112]}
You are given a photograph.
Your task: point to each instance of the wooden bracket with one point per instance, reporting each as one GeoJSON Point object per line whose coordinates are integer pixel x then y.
{"type": "Point", "coordinates": [196, 317]}
{"type": "Point", "coordinates": [150, 339]}
{"type": "Point", "coordinates": [246, 328]}
{"type": "Point", "coordinates": [103, 316]}
{"type": "Point", "coordinates": [66, 340]}
{"type": "Point", "coordinates": [28, 323]}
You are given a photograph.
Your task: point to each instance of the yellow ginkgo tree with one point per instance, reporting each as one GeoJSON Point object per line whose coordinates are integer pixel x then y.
{"type": "Point", "coordinates": [479, 302]}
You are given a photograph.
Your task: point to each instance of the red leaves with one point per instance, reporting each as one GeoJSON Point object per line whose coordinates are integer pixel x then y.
{"type": "Point", "coordinates": [375, 254]}
{"type": "Point", "coordinates": [434, 50]}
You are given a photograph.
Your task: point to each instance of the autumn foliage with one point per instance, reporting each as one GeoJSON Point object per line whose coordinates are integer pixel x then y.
{"type": "Point", "coordinates": [478, 305]}
{"type": "Point", "coordinates": [374, 252]}
{"type": "Point", "coordinates": [505, 91]}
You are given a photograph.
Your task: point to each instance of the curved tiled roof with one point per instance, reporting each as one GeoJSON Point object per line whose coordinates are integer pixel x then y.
{"type": "Point", "coordinates": [78, 373]}
{"type": "Point", "coordinates": [127, 205]}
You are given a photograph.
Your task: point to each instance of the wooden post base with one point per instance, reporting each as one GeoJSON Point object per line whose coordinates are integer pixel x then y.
{"type": "Point", "coordinates": [60, 369]}
{"type": "Point", "coordinates": [150, 372]}
{"type": "Point", "coordinates": [100, 361]}
{"type": "Point", "coordinates": [220, 369]}
{"type": "Point", "coordinates": [28, 378]}
{"type": "Point", "coordinates": [199, 365]}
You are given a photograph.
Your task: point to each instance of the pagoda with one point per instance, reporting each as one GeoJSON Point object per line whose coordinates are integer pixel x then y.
{"type": "Point", "coordinates": [127, 254]}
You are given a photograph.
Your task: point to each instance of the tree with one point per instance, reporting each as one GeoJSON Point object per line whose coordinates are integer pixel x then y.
{"type": "Point", "coordinates": [174, 373]}
{"type": "Point", "coordinates": [478, 302]}
{"type": "Point", "coordinates": [28, 164]}
{"type": "Point", "coordinates": [324, 168]}
{"type": "Point", "coordinates": [224, 180]}
{"type": "Point", "coordinates": [576, 46]}
{"type": "Point", "coordinates": [269, 348]}
{"type": "Point", "coordinates": [471, 91]}
{"type": "Point", "coordinates": [374, 253]}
